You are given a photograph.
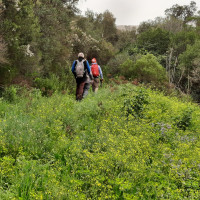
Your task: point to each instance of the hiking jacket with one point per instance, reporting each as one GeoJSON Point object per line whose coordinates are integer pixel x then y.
{"type": "Point", "coordinates": [100, 71]}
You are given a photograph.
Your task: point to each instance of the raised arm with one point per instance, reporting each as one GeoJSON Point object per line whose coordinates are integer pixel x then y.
{"type": "Point", "coordinates": [100, 72]}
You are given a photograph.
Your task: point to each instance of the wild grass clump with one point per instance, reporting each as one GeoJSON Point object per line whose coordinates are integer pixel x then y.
{"type": "Point", "coordinates": [122, 143]}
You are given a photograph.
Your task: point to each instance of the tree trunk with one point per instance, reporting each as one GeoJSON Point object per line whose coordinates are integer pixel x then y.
{"type": "Point", "coordinates": [168, 66]}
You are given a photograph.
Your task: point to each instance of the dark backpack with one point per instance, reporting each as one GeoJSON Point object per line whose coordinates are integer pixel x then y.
{"type": "Point", "coordinates": [95, 70]}
{"type": "Point", "coordinates": [80, 69]}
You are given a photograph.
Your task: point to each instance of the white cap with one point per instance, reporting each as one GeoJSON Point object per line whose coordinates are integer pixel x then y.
{"type": "Point", "coordinates": [81, 55]}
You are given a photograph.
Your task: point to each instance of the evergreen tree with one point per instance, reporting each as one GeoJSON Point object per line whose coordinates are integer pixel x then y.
{"type": "Point", "coordinates": [109, 27]}
{"type": "Point", "coordinates": [21, 33]}
{"type": "Point", "coordinates": [154, 40]}
{"type": "Point", "coordinates": [55, 17]}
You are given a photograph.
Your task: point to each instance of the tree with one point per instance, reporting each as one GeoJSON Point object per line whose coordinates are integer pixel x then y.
{"type": "Point", "coordinates": [190, 68]}
{"type": "Point", "coordinates": [37, 34]}
{"type": "Point", "coordinates": [91, 24]}
{"type": "Point", "coordinates": [114, 66]}
{"type": "Point", "coordinates": [180, 40]}
{"type": "Point", "coordinates": [21, 33]}
{"type": "Point", "coordinates": [196, 20]}
{"type": "Point", "coordinates": [127, 69]}
{"type": "Point", "coordinates": [145, 26]}
{"type": "Point", "coordinates": [3, 51]}
{"type": "Point", "coordinates": [56, 49]}
{"type": "Point", "coordinates": [182, 12]}
{"type": "Point", "coordinates": [125, 39]}
{"type": "Point", "coordinates": [178, 45]}
{"type": "Point", "coordinates": [148, 70]}
{"type": "Point", "coordinates": [172, 24]}
{"type": "Point", "coordinates": [109, 27]}
{"type": "Point", "coordinates": [3, 46]}
{"type": "Point", "coordinates": [87, 36]}
{"type": "Point", "coordinates": [154, 40]}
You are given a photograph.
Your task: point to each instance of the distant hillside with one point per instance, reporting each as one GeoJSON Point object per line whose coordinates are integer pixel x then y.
{"type": "Point", "coordinates": [126, 27]}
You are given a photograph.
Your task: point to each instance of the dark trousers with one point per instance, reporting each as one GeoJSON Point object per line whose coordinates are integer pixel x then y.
{"type": "Point", "coordinates": [80, 83]}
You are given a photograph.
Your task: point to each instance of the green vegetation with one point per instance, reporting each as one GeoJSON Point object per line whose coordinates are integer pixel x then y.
{"type": "Point", "coordinates": [40, 39]}
{"type": "Point", "coordinates": [125, 142]}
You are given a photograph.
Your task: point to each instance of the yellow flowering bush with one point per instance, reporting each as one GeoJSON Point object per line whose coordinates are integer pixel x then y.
{"type": "Point", "coordinates": [131, 143]}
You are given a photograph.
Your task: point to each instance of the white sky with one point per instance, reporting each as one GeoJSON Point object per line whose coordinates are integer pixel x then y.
{"type": "Point", "coordinates": [132, 12]}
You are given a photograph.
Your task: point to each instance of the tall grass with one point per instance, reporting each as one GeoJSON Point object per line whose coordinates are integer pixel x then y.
{"type": "Point", "coordinates": [125, 142]}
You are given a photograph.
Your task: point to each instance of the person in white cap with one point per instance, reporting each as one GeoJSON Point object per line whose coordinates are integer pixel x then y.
{"type": "Point", "coordinates": [81, 69]}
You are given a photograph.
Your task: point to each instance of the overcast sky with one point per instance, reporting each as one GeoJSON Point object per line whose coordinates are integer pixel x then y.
{"type": "Point", "coordinates": [132, 12]}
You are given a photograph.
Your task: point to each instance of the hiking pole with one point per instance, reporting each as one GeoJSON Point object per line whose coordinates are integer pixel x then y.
{"type": "Point", "coordinates": [101, 83]}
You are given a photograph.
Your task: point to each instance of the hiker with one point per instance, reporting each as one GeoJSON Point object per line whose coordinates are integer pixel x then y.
{"type": "Point", "coordinates": [80, 68]}
{"type": "Point", "coordinates": [96, 72]}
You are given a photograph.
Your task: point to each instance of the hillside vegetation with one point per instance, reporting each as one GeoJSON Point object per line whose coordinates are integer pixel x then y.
{"type": "Point", "coordinates": [126, 142]}
{"type": "Point", "coordinates": [40, 39]}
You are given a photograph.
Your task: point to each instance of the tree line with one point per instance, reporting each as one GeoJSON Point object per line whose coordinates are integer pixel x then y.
{"type": "Point", "coordinates": [40, 38]}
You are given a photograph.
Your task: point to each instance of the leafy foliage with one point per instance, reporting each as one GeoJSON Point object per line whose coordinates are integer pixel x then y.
{"type": "Point", "coordinates": [127, 69]}
{"type": "Point", "coordinates": [57, 148]}
{"type": "Point", "coordinates": [21, 31]}
{"type": "Point", "coordinates": [10, 94]}
{"type": "Point", "coordinates": [148, 69]}
{"type": "Point", "coordinates": [135, 105]}
{"type": "Point", "coordinates": [182, 12]}
{"type": "Point", "coordinates": [115, 64]}
{"type": "Point", "coordinates": [189, 65]}
{"type": "Point", "coordinates": [41, 38]}
{"type": "Point", "coordinates": [54, 42]}
{"type": "Point", "coordinates": [185, 119]}
{"type": "Point", "coordinates": [125, 39]}
{"type": "Point", "coordinates": [49, 85]}
{"type": "Point", "coordinates": [155, 41]}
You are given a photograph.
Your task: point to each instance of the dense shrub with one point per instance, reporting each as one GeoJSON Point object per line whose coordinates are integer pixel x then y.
{"type": "Point", "coordinates": [10, 93]}
{"type": "Point", "coordinates": [148, 70]}
{"type": "Point", "coordinates": [49, 84]}
{"type": "Point", "coordinates": [127, 69]}
{"type": "Point", "coordinates": [135, 105]}
{"type": "Point", "coordinates": [114, 67]}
